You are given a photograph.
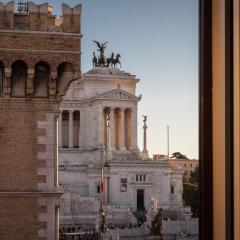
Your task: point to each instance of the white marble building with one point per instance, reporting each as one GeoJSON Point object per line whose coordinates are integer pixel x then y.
{"type": "Point", "coordinates": [107, 95]}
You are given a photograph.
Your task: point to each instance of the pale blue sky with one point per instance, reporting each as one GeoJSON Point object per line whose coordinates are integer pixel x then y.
{"type": "Point", "coordinates": [158, 41]}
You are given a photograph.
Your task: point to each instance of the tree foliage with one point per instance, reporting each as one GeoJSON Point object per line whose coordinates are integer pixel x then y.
{"type": "Point", "coordinates": [191, 193]}
{"type": "Point", "coordinates": [178, 155]}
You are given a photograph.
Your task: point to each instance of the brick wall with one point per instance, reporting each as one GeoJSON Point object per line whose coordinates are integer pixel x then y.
{"type": "Point", "coordinates": [54, 49]}
{"type": "Point", "coordinates": [19, 218]}
{"type": "Point", "coordinates": [29, 195]}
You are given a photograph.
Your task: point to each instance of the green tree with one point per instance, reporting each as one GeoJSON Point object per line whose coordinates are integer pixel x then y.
{"type": "Point", "coordinates": [191, 193]}
{"type": "Point", "coordinates": [178, 155]}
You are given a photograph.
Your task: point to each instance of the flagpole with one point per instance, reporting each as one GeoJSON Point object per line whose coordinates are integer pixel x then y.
{"type": "Point", "coordinates": [102, 226]}
{"type": "Point", "coordinates": [168, 141]}
{"type": "Point", "coordinates": [101, 188]}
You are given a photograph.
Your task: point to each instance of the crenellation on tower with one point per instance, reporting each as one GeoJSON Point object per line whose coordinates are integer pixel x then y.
{"type": "Point", "coordinates": [40, 18]}
{"type": "Point", "coordinates": [71, 18]}
{"type": "Point", "coordinates": [6, 15]}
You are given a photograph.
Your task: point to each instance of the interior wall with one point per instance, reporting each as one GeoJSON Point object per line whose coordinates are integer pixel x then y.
{"type": "Point", "coordinates": [236, 120]}
{"type": "Point", "coordinates": [218, 58]}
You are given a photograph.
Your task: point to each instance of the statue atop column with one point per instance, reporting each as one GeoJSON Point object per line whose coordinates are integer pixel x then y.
{"type": "Point", "coordinates": [145, 151]}
{"type": "Point", "coordinates": [101, 60]}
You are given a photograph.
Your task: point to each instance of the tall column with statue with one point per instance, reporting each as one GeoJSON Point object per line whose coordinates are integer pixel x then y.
{"type": "Point", "coordinates": [145, 151]}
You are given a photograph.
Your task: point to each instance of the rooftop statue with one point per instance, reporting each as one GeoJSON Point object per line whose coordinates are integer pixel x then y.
{"type": "Point", "coordinates": [144, 118]}
{"type": "Point", "coordinates": [101, 60]}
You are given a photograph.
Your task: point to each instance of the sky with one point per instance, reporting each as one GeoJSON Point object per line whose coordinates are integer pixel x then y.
{"type": "Point", "coordinates": [158, 42]}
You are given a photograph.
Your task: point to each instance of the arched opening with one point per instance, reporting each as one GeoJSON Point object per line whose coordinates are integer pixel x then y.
{"type": "Point", "coordinates": [65, 72]}
{"type": "Point", "coordinates": [41, 78]}
{"type": "Point", "coordinates": [1, 78]}
{"type": "Point", "coordinates": [18, 78]}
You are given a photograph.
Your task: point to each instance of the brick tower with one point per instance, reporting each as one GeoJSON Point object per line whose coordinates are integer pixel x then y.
{"type": "Point", "coordinates": [39, 57]}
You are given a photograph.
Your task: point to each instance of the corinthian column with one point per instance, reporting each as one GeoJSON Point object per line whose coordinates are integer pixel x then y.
{"type": "Point", "coordinates": [145, 151]}
{"type": "Point", "coordinates": [134, 145]}
{"type": "Point", "coordinates": [60, 130]}
{"type": "Point", "coordinates": [112, 129]}
{"type": "Point", "coordinates": [100, 123]}
{"type": "Point", "coordinates": [70, 128]}
{"type": "Point", "coordinates": [122, 130]}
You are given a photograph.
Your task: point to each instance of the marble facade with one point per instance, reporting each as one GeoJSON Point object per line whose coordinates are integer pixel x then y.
{"type": "Point", "coordinates": [99, 112]}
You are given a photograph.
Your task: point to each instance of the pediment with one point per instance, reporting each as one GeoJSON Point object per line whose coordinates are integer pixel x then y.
{"type": "Point", "coordinates": [117, 94]}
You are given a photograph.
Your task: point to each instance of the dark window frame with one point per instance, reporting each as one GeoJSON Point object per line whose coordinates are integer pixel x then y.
{"type": "Point", "coordinates": [205, 121]}
{"type": "Point", "coordinates": [229, 115]}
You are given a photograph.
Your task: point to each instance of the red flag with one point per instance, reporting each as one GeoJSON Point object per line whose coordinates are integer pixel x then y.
{"type": "Point", "coordinates": [102, 182]}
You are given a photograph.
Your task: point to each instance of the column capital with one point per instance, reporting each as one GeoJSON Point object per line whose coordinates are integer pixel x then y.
{"type": "Point", "coordinates": [129, 109]}
{"type": "Point", "coordinates": [8, 72]}
{"type": "Point", "coordinates": [31, 70]}
{"type": "Point", "coordinates": [122, 109]}
{"type": "Point", "coordinates": [54, 75]}
{"type": "Point", "coordinates": [70, 111]}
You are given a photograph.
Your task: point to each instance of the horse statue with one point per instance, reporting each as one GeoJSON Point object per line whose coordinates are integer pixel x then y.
{"type": "Point", "coordinates": [109, 60]}
{"type": "Point", "coordinates": [94, 60]}
{"type": "Point", "coordinates": [116, 61]}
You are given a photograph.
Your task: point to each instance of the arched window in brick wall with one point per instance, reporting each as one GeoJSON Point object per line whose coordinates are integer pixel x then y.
{"type": "Point", "coordinates": [18, 79]}
{"type": "Point", "coordinates": [65, 72]}
{"type": "Point", "coordinates": [41, 78]}
{"type": "Point", "coordinates": [1, 78]}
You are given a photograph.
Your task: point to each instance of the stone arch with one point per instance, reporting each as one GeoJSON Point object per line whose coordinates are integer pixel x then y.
{"type": "Point", "coordinates": [42, 72]}
{"type": "Point", "coordinates": [65, 73]}
{"type": "Point", "coordinates": [19, 78]}
{"type": "Point", "coordinates": [1, 78]}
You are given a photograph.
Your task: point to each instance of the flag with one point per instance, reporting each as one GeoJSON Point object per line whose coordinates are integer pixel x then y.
{"type": "Point", "coordinates": [102, 182]}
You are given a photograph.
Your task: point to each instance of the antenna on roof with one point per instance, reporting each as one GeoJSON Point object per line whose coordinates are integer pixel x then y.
{"type": "Point", "coordinates": [168, 141]}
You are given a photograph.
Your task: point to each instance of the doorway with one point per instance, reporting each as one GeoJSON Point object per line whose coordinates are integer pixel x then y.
{"type": "Point", "coordinates": [140, 200]}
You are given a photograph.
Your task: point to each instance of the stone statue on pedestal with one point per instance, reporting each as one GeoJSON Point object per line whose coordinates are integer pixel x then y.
{"type": "Point", "coordinates": [145, 151]}
{"type": "Point", "coordinates": [102, 61]}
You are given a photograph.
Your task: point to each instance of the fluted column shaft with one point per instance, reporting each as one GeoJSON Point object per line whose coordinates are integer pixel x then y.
{"type": "Point", "coordinates": [134, 145]}
{"type": "Point", "coordinates": [112, 129]}
{"type": "Point", "coordinates": [100, 123]}
{"type": "Point", "coordinates": [60, 130]}
{"type": "Point", "coordinates": [70, 128]}
{"type": "Point", "coordinates": [122, 130]}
